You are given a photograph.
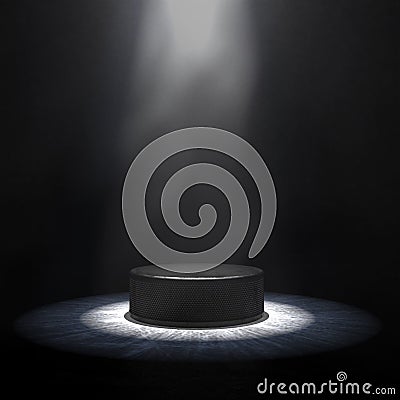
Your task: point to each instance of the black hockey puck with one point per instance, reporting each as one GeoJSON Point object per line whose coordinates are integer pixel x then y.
{"type": "Point", "coordinates": [223, 296]}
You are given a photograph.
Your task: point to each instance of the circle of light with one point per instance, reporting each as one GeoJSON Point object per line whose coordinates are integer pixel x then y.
{"type": "Point", "coordinates": [297, 325]}
{"type": "Point", "coordinates": [283, 318]}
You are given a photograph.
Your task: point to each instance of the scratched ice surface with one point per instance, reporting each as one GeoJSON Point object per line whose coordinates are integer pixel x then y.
{"type": "Point", "coordinates": [297, 325]}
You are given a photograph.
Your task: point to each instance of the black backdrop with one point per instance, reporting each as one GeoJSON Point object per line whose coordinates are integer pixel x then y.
{"type": "Point", "coordinates": [323, 114]}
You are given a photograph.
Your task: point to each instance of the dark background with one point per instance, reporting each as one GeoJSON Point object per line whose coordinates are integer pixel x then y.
{"type": "Point", "coordinates": [323, 114]}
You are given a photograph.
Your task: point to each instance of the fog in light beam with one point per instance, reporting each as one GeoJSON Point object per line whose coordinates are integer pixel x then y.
{"type": "Point", "coordinates": [194, 61]}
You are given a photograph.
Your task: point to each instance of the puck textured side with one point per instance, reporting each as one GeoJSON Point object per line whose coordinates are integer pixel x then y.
{"type": "Point", "coordinates": [226, 295]}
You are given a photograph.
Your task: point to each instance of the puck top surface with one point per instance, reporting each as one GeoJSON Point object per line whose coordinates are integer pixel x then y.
{"type": "Point", "coordinates": [224, 271]}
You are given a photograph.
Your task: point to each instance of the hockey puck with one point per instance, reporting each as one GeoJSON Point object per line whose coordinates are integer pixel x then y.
{"type": "Point", "coordinates": [223, 296]}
